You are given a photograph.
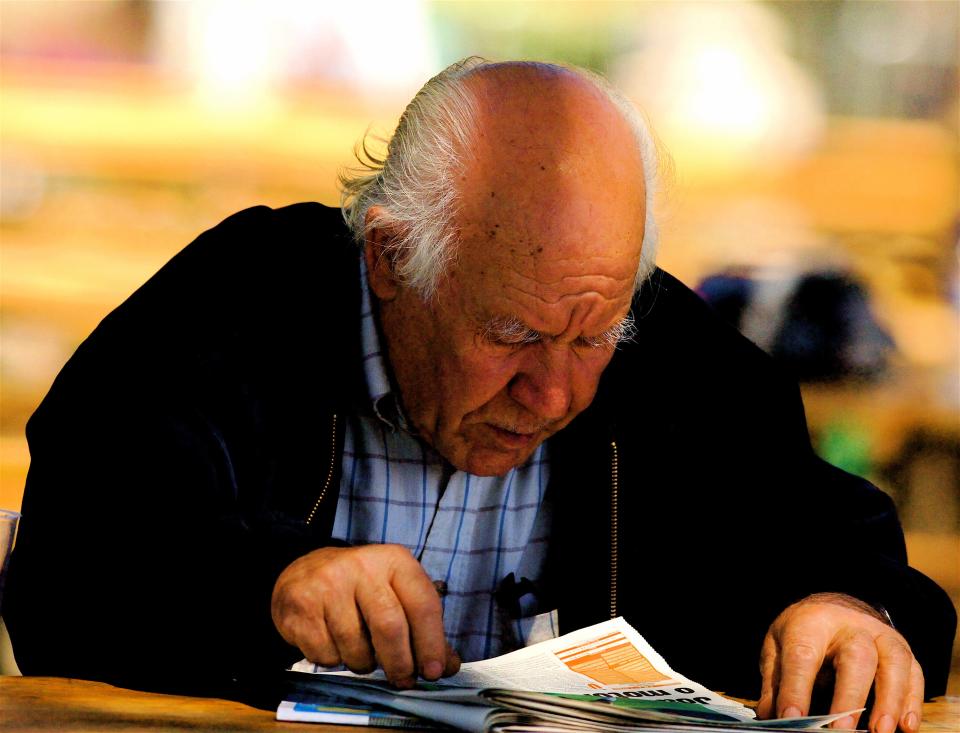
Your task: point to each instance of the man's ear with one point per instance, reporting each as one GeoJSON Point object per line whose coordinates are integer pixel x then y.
{"type": "Point", "coordinates": [380, 266]}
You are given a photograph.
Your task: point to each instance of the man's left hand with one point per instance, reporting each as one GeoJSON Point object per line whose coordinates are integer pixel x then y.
{"type": "Point", "coordinates": [862, 648]}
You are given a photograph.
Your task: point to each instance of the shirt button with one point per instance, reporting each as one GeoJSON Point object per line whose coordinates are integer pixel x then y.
{"type": "Point", "coordinates": [441, 587]}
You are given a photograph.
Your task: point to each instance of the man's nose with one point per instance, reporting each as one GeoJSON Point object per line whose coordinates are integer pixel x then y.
{"type": "Point", "coordinates": [543, 384]}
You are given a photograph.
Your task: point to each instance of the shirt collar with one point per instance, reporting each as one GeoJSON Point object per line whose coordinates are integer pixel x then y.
{"type": "Point", "coordinates": [381, 395]}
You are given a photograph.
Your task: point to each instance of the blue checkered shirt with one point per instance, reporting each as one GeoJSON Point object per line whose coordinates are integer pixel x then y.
{"type": "Point", "coordinates": [470, 532]}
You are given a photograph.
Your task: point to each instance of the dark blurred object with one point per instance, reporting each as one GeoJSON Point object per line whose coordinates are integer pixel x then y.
{"type": "Point", "coordinates": [728, 294]}
{"type": "Point", "coordinates": [819, 325]}
{"type": "Point", "coordinates": [924, 479]}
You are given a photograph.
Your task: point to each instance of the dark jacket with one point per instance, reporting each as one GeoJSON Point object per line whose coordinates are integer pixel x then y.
{"type": "Point", "coordinates": [180, 452]}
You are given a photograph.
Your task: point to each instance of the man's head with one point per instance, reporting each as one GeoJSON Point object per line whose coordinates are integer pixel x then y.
{"type": "Point", "coordinates": [499, 326]}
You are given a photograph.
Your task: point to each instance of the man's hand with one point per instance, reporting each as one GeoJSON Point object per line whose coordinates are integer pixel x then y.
{"type": "Point", "coordinates": [861, 647]}
{"type": "Point", "coordinates": [363, 605]}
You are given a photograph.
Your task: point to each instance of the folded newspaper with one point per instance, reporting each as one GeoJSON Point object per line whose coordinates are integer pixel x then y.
{"type": "Point", "coordinates": [600, 678]}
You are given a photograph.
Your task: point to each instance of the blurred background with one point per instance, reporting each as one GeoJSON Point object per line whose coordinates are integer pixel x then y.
{"type": "Point", "coordinates": [814, 201]}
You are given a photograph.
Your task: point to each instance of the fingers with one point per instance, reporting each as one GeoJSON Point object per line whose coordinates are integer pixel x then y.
{"type": "Point", "coordinates": [893, 682]}
{"type": "Point", "coordinates": [855, 658]}
{"type": "Point", "coordinates": [452, 664]}
{"type": "Point", "coordinates": [913, 704]}
{"type": "Point", "coordinates": [424, 612]}
{"type": "Point", "coordinates": [314, 641]}
{"type": "Point", "coordinates": [800, 660]}
{"type": "Point", "coordinates": [298, 613]}
{"type": "Point", "coordinates": [770, 677]}
{"type": "Point", "coordinates": [349, 635]}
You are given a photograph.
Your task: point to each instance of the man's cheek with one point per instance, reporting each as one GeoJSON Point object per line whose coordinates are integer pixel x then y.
{"type": "Point", "coordinates": [586, 381]}
{"type": "Point", "coordinates": [484, 379]}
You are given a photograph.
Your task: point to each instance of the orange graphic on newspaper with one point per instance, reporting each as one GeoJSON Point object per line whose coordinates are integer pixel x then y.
{"type": "Point", "coordinates": [610, 660]}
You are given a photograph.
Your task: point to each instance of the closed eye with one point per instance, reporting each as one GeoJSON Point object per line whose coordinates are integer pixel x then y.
{"type": "Point", "coordinates": [509, 332]}
{"type": "Point", "coordinates": [620, 333]}
{"type": "Point", "coordinates": [512, 332]}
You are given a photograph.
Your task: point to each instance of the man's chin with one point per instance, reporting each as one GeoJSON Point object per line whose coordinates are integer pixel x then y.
{"type": "Point", "coordinates": [487, 461]}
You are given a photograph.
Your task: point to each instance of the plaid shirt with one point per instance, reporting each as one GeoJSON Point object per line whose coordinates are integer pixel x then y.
{"type": "Point", "coordinates": [468, 532]}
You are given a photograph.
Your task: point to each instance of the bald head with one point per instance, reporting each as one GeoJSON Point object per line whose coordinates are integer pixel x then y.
{"type": "Point", "coordinates": [531, 133]}
{"type": "Point", "coordinates": [548, 111]}
{"type": "Point", "coordinates": [551, 156]}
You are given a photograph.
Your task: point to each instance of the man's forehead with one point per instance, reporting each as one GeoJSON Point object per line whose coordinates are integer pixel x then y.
{"type": "Point", "coordinates": [537, 271]}
{"type": "Point", "coordinates": [545, 262]}
{"type": "Point", "coordinates": [573, 307]}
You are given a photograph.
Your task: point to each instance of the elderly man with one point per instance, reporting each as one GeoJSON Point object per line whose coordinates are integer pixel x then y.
{"type": "Point", "coordinates": [499, 419]}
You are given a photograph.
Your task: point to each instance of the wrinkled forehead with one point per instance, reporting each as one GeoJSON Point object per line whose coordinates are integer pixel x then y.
{"type": "Point", "coordinates": [545, 254]}
{"type": "Point", "coordinates": [548, 294]}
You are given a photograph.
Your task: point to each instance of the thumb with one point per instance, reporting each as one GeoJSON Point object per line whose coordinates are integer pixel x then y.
{"type": "Point", "coordinates": [452, 664]}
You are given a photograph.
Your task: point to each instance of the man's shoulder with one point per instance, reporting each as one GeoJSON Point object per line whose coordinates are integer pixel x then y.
{"type": "Point", "coordinates": [305, 216]}
{"type": "Point", "coordinates": [266, 234]}
{"type": "Point", "coordinates": [262, 277]}
{"type": "Point", "coordinates": [274, 254]}
{"type": "Point", "coordinates": [668, 312]}
{"type": "Point", "coordinates": [683, 349]}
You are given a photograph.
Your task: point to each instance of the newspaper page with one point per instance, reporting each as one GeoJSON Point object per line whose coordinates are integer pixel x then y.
{"type": "Point", "coordinates": [609, 660]}
{"type": "Point", "coordinates": [561, 682]}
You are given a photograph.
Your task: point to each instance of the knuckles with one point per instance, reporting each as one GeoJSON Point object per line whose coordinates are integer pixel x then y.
{"type": "Point", "coordinates": [800, 651]}
{"type": "Point", "coordinates": [426, 605]}
{"type": "Point", "coordinates": [375, 558]}
{"type": "Point", "coordinates": [308, 579]}
{"type": "Point", "coordinates": [858, 649]}
{"type": "Point", "coordinates": [388, 625]}
{"type": "Point", "coordinates": [891, 643]}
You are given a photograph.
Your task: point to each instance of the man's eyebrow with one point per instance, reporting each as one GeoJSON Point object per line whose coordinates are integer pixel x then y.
{"type": "Point", "coordinates": [511, 329]}
{"type": "Point", "coordinates": [620, 332]}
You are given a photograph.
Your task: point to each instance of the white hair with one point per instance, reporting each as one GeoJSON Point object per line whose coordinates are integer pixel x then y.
{"type": "Point", "coordinates": [414, 186]}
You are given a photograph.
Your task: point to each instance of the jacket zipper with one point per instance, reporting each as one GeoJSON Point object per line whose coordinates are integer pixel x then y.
{"type": "Point", "coordinates": [333, 461]}
{"type": "Point", "coordinates": [614, 525]}
{"type": "Point", "coordinates": [614, 507]}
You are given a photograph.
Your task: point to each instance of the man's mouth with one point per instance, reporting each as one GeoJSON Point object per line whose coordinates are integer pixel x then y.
{"type": "Point", "coordinates": [514, 439]}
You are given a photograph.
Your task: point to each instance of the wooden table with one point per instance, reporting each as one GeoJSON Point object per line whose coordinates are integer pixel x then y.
{"type": "Point", "coordinates": [59, 705]}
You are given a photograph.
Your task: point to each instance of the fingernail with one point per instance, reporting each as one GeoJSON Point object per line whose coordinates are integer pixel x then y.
{"type": "Point", "coordinates": [432, 670]}
{"type": "Point", "coordinates": [791, 712]}
{"type": "Point", "coordinates": [885, 724]}
{"type": "Point", "coordinates": [844, 723]}
{"type": "Point", "coordinates": [911, 722]}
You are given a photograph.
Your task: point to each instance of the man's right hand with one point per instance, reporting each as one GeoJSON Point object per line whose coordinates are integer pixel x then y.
{"type": "Point", "coordinates": [361, 606]}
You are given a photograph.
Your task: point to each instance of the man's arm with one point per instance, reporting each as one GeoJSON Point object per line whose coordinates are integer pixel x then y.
{"type": "Point", "coordinates": [135, 563]}
{"type": "Point", "coordinates": [170, 460]}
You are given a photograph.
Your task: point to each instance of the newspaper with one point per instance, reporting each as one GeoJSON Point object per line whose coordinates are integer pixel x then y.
{"type": "Point", "coordinates": [604, 677]}
{"type": "Point", "coordinates": [305, 711]}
